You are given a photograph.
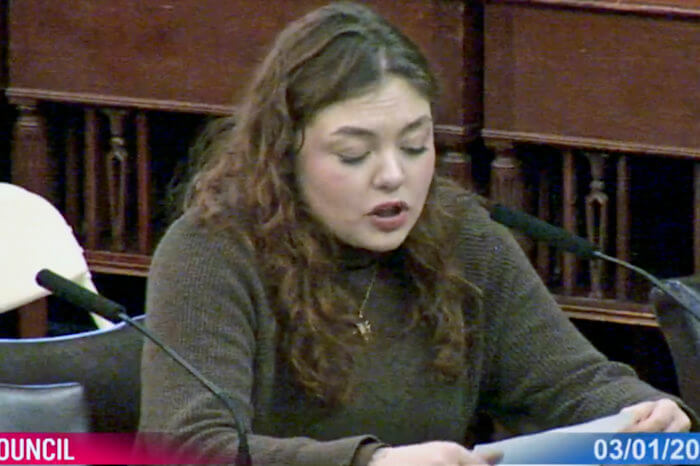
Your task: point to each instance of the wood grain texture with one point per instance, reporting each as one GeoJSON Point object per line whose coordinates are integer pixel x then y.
{"type": "Point", "coordinates": [197, 55]}
{"type": "Point", "coordinates": [581, 74]}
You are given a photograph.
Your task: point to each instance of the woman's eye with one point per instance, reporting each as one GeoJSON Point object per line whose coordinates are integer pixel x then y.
{"type": "Point", "coordinates": [352, 159]}
{"type": "Point", "coordinates": [414, 150]}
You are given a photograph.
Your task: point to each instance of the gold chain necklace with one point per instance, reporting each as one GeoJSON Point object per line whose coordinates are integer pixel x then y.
{"type": "Point", "coordinates": [364, 326]}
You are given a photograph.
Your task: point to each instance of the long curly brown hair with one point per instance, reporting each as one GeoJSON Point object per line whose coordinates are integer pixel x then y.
{"type": "Point", "coordinates": [333, 53]}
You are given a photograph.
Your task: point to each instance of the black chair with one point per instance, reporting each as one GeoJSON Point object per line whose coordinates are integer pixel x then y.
{"type": "Point", "coordinates": [43, 408]}
{"type": "Point", "coordinates": [681, 331]}
{"type": "Point", "coordinates": [106, 363]}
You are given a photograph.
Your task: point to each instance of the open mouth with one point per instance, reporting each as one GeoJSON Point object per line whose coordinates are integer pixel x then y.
{"type": "Point", "coordinates": [389, 216]}
{"type": "Point", "coordinates": [388, 210]}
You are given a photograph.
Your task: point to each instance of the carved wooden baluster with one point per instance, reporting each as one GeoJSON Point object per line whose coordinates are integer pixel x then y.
{"type": "Point", "coordinates": [90, 180]}
{"type": "Point", "coordinates": [143, 156]}
{"type": "Point", "coordinates": [31, 165]}
{"type": "Point", "coordinates": [623, 227]}
{"type": "Point", "coordinates": [543, 209]}
{"type": "Point", "coordinates": [117, 176]}
{"type": "Point", "coordinates": [458, 167]}
{"type": "Point", "coordinates": [507, 186]}
{"type": "Point", "coordinates": [569, 262]}
{"type": "Point", "coordinates": [597, 219]}
{"type": "Point", "coordinates": [72, 177]}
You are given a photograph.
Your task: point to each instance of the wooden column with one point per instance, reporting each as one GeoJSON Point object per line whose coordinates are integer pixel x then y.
{"type": "Point", "coordinates": [117, 177]}
{"type": "Point", "coordinates": [507, 186]}
{"type": "Point", "coordinates": [93, 225]}
{"type": "Point", "coordinates": [33, 319]}
{"type": "Point", "coordinates": [623, 227]}
{"type": "Point", "coordinates": [32, 169]}
{"type": "Point", "coordinates": [569, 262]}
{"type": "Point", "coordinates": [31, 165]}
{"type": "Point", "coordinates": [597, 220]}
{"type": "Point", "coordinates": [543, 211]}
{"type": "Point", "coordinates": [457, 166]}
{"type": "Point", "coordinates": [143, 173]}
{"type": "Point", "coordinates": [72, 178]}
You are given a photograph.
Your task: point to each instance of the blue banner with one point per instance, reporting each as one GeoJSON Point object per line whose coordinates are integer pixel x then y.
{"type": "Point", "coordinates": [593, 449]}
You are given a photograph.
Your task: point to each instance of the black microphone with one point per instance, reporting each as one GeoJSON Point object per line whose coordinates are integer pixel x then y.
{"type": "Point", "coordinates": [543, 231]}
{"type": "Point", "coordinates": [85, 299]}
{"type": "Point", "coordinates": [562, 239]}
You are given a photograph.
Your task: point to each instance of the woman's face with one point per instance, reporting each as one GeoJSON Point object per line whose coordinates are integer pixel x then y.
{"type": "Point", "coordinates": [366, 165]}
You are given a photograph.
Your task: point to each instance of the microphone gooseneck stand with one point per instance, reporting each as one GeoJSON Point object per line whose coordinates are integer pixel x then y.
{"type": "Point", "coordinates": [87, 300]}
{"type": "Point", "coordinates": [677, 290]}
{"type": "Point", "coordinates": [567, 241]}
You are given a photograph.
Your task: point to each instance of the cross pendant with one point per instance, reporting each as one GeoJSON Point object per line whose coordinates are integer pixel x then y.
{"type": "Point", "coordinates": [364, 328]}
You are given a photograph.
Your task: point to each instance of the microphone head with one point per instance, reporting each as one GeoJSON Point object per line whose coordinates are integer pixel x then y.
{"type": "Point", "coordinates": [543, 231]}
{"type": "Point", "coordinates": [75, 294]}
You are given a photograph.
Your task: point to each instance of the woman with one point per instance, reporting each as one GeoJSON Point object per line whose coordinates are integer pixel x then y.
{"type": "Point", "coordinates": [345, 296]}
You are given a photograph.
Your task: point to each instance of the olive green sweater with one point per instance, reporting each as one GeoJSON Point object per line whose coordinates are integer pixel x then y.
{"type": "Point", "coordinates": [528, 366]}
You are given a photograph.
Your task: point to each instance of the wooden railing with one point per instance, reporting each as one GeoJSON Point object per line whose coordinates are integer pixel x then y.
{"type": "Point", "coordinates": [607, 86]}
{"type": "Point", "coordinates": [118, 165]}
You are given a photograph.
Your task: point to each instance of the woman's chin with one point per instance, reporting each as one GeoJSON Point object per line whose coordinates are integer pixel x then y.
{"type": "Point", "coordinates": [383, 243]}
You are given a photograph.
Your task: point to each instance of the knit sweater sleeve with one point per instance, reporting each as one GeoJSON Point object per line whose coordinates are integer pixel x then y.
{"type": "Point", "coordinates": [540, 371]}
{"type": "Point", "coordinates": [205, 299]}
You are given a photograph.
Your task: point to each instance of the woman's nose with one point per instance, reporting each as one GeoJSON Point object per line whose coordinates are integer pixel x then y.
{"type": "Point", "coordinates": [390, 173]}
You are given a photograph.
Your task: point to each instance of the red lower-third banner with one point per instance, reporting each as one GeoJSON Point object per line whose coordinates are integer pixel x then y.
{"type": "Point", "coordinates": [69, 448]}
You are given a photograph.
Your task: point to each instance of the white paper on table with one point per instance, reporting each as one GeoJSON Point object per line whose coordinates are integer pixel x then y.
{"type": "Point", "coordinates": [524, 448]}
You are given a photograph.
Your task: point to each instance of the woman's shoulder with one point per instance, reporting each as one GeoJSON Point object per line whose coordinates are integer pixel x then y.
{"type": "Point", "coordinates": [192, 236]}
{"type": "Point", "coordinates": [467, 212]}
{"type": "Point", "coordinates": [477, 242]}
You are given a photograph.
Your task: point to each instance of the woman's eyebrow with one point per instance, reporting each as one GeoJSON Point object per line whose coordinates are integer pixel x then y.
{"type": "Point", "coordinates": [367, 134]}
{"type": "Point", "coordinates": [417, 123]}
{"type": "Point", "coordinates": [353, 131]}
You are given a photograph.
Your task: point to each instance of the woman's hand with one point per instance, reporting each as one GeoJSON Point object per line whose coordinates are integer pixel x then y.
{"type": "Point", "coordinates": [432, 454]}
{"type": "Point", "coordinates": [657, 416]}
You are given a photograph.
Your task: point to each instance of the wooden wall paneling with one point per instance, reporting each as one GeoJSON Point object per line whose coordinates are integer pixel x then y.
{"type": "Point", "coordinates": [638, 69]}
{"type": "Point", "coordinates": [5, 114]}
{"type": "Point", "coordinates": [189, 63]}
{"type": "Point", "coordinates": [179, 57]}
{"type": "Point", "coordinates": [3, 44]}
{"type": "Point", "coordinates": [473, 66]}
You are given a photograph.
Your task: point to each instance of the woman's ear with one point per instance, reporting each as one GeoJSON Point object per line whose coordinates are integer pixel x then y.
{"type": "Point", "coordinates": [298, 140]}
